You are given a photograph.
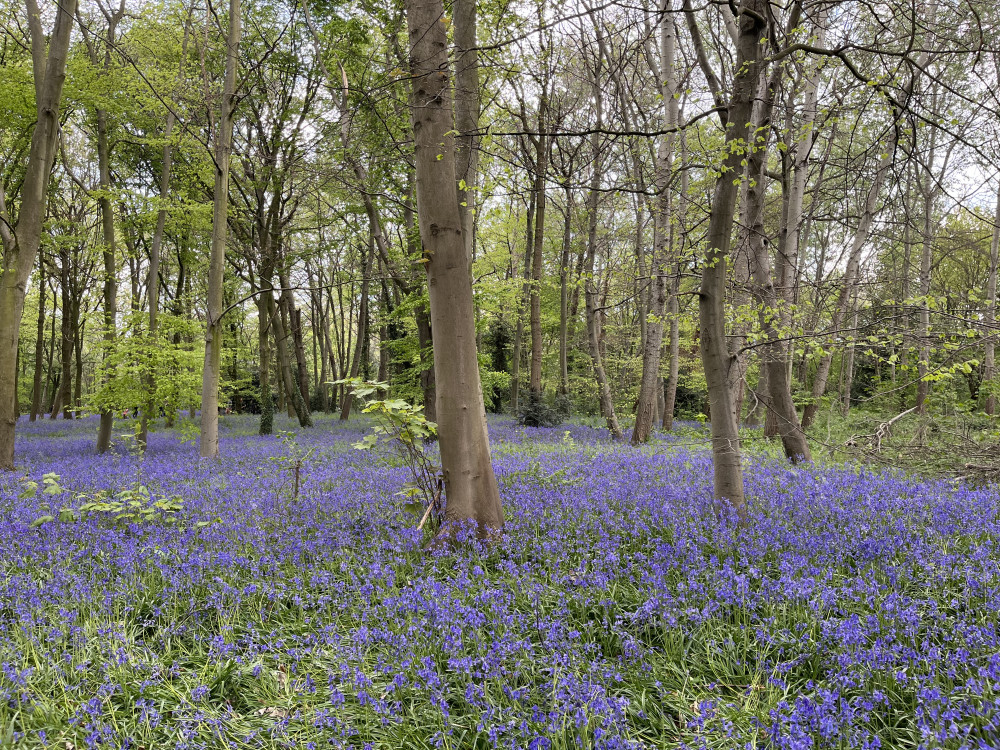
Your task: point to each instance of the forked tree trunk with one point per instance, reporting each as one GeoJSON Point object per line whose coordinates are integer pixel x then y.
{"type": "Point", "coordinates": [209, 447]}
{"type": "Point", "coordinates": [728, 481]}
{"type": "Point", "coordinates": [470, 484]}
{"type": "Point", "coordinates": [21, 243]}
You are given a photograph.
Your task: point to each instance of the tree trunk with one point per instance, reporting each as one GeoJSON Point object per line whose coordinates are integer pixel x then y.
{"type": "Point", "coordinates": [65, 397]}
{"type": "Point", "coordinates": [564, 271]}
{"type": "Point", "coordinates": [590, 292]}
{"type": "Point", "coordinates": [651, 385]}
{"type": "Point", "coordinates": [850, 279]}
{"type": "Point", "coordinates": [466, 114]}
{"type": "Point", "coordinates": [36, 390]}
{"type": "Point", "coordinates": [926, 250]}
{"type": "Point", "coordinates": [21, 244]}
{"type": "Point", "coordinates": [110, 267]}
{"type": "Point", "coordinates": [728, 482]}
{"type": "Point", "coordinates": [470, 484]}
{"type": "Point", "coordinates": [989, 363]}
{"type": "Point", "coordinates": [264, 364]}
{"type": "Point", "coordinates": [515, 366]}
{"type": "Point", "coordinates": [426, 344]}
{"type": "Point", "coordinates": [670, 390]}
{"type": "Point", "coordinates": [849, 362]}
{"type": "Point", "coordinates": [541, 170]}
{"type": "Point", "coordinates": [361, 345]}
{"type": "Point", "coordinates": [209, 447]}
{"type": "Point", "coordinates": [298, 339]}
{"type": "Point", "coordinates": [150, 408]}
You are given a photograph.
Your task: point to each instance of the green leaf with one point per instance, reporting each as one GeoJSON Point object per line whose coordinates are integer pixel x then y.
{"type": "Point", "coordinates": [41, 520]}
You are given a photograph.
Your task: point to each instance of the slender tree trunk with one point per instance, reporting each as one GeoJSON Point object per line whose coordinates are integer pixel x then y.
{"type": "Point", "coordinates": [728, 483]}
{"type": "Point", "coordinates": [989, 362]}
{"type": "Point", "coordinates": [850, 279]}
{"type": "Point", "coordinates": [541, 170]}
{"type": "Point", "coordinates": [209, 447]}
{"type": "Point", "coordinates": [564, 271]}
{"type": "Point", "coordinates": [288, 389]}
{"type": "Point", "coordinates": [651, 384]}
{"type": "Point", "coordinates": [849, 361]}
{"type": "Point", "coordinates": [294, 316]}
{"type": "Point", "coordinates": [65, 398]}
{"type": "Point", "coordinates": [150, 407]}
{"type": "Point", "coordinates": [36, 390]}
{"type": "Point", "coordinates": [20, 245]}
{"type": "Point", "coordinates": [361, 345]}
{"type": "Point", "coordinates": [670, 389]}
{"type": "Point", "coordinates": [264, 364]}
{"type": "Point", "coordinates": [470, 484]}
{"type": "Point", "coordinates": [926, 250]}
{"type": "Point", "coordinates": [590, 291]}
{"type": "Point", "coordinates": [110, 267]}
{"type": "Point", "coordinates": [515, 367]}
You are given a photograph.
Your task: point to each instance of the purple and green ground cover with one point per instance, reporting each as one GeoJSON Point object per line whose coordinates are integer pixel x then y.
{"type": "Point", "coordinates": [858, 610]}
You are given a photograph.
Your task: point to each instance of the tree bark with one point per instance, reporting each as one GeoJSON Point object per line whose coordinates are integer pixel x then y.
{"type": "Point", "coordinates": [564, 271]}
{"type": "Point", "coordinates": [466, 114]}
{"type": "Point", "coordinates": [607, 404]}
{"type": "Point", "coordinates": [361, 345]}
{"type": "Point", "coordinates": [264, 364]}
{"type": "Point", "coordinates": [541, 170]}
{"type": "Point", "coordinates": [20, 245]}
{"type": "Point", "coordinates": [36, 390]}
{"type": "Point", "coordinates": [515, 366]}
{"type": "Point", "coordinates": [651, 384]}
{"type": "Point", "coordinates": [209, 446]}
{"type": "Point", "coordinates": [110, 263]}
{"type": "Point", "coordinates": [64, 400]}
{"type": "Point", "coordinates": [470, 484]}
{"type": "Point", "coordinates": [989, 362]}
{"type": "Point", "coordinates": [728, 480]}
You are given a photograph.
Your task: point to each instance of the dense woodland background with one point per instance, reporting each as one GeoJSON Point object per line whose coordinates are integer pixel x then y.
{"type": "Point", "coordinates": [861, 260]}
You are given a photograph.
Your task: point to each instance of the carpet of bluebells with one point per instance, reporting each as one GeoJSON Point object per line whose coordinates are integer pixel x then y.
{"type": "Point", "coordinates": [857, 610]}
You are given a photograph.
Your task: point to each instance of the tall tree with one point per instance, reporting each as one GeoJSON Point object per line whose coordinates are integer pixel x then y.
{"type": "Point", "coordinates": [209, 445]}
{"type": "Point", "coordinates": [470, 484]}
{"type": "Point", "coordinates": [21, 236]}
{"type": "Point", "coordinates": [726, 454]}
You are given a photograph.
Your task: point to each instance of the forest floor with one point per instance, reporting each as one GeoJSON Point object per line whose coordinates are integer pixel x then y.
{"type": "Point", "coordinates": [859, 609]}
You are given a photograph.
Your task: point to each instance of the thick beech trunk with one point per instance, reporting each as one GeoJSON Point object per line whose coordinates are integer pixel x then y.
{"type": "Point", "coordinates": [470, 484]}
